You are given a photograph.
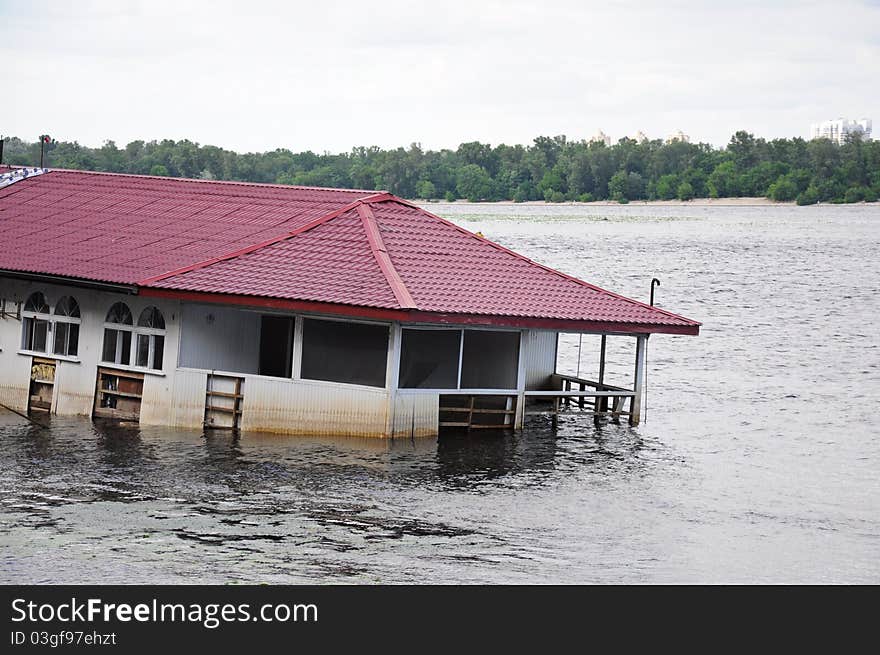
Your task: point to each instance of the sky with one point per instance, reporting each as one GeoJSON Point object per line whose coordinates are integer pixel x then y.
{"type": "Point", "coordinates": [331, 75]}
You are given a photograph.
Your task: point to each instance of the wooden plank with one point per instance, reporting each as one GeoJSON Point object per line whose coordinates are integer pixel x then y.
{"type": "Point", "coordinates": [122, 374]}
{"type": "Point", "coordinates": [588, 394]}
{"type": "Point", "coordinates": [224, 394]}
{"type": "Point", "coordinates": [477, 410]}
{"type": "Point", "coordinates": [122, 394]}
{"type": "Point", "coordinates": [223, 410]}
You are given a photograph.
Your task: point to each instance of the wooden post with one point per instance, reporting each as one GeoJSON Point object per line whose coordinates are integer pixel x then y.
{"type": "Point", "coordinates": [601, 404]}
{"type": "Point", "coordinates": [519, 417]}
{"type": "Point", "coordinates": [638, 387]}
{"type": "Point", "coordinates": [392, 374]}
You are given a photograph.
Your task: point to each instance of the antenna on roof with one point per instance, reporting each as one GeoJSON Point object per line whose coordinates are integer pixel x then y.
{"type": "Point", "coordinates": [2, 139]}
{"type": "Point", "coordinates": [44, 139]}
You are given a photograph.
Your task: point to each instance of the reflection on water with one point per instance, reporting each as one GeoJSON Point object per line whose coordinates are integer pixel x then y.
{"type": "Point", "coordinates": [757, 463]}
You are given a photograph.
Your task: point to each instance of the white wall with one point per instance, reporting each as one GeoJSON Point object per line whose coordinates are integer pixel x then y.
{"type": "Point", "coordinates": [220, 338]}
{"type": "Point", "coordinates": [75, 379]}
{"type": "Point", "coordinates": [539, 352]}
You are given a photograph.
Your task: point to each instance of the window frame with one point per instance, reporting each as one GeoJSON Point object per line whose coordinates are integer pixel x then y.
{"type": "Point", "coordinates": [31, 319]}
{"type": "Point", "coordinates": [150, 333]}
{"type": "Point", "coordinates": [299, 349]}
{"type": "Point", "coordinates": [119, 328]}
{"type": "Point", "coordinates": [461, 330]}
{"type": "Point", "coordinates": [68, 320]}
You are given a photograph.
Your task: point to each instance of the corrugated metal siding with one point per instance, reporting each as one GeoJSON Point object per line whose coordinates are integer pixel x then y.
{"type": "Point", "coordinates": [156, 400]}
{"type": "Point", "coordinates": [416, 415]}
{"type": "Point", "coordinates": [539, 348]}
{"type": "Point", "coordinates": [187, 405]}
{"type": "Point", "coordinates": [304, 407]}
{"type": "Point", "coordinates": [74, 389]}
{"type": "Point", "coordinates": [207, 332]}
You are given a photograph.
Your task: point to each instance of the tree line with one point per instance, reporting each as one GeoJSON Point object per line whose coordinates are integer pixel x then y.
{"type": "Point", "coordinates": [553, 169]}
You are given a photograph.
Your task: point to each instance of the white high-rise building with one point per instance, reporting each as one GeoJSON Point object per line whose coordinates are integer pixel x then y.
{"type": "Point", "coordinates": [678, 135]}
{"type": "Point", "coordinates": [838, 130]}
{"type": "Point", "coordinates": [600, 137]}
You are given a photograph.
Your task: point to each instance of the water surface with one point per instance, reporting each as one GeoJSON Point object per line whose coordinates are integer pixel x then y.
{"type": "Point", "coordinates": [757, 463]}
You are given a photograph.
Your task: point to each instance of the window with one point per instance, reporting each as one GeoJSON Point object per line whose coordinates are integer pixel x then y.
{"type": "Point", "coordinates": [35, 324]}
{"type": "Point", "coordinates": [276, 346]}
{"type": "Point", "coordinates": [356, 353]}
{"type": "Point", "coordinates": [459, 359]}
{"type": "Point", "coordinates": [150, 339]}
{"type": "Point", "coordinates": [489, 359]}
{"type": "Point", "coordinates": [67, 319]}
{"type": "Point", "coordinates": [429, 359]}
{"type": "Point", "coordinates": [117, 335]}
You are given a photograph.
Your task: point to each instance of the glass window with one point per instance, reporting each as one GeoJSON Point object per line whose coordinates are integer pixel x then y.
{"type": "Point", "coordinates": [35, 324]}
{"type": "Point", "coordinates": [355, 353]}
{"type": "Point", "coordinates": [151, 318]}
{"type": "Point", "coordinates": [429, 359]}
{"type": "Point", "coordinates": [67, 306]}
{"type": "Point", "coordinates": [119, 313]}
{"type": "Point", "coordinates": [490, 359]}
{"type": "Point", "coordinates": [117, 346]}
{"type": "Point", "coordinates": [36, 303]}
{"type": "Point", "coordinates": [158, 351]}
{"type": "Point", "coordinates": [143, 350]}
{"type": "Point", "coordinates": [66, 339]}
{"type": "Point", "coordinates": [35, 333]}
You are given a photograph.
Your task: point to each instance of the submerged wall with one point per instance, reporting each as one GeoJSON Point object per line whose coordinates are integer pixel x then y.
{"type": "Point", "coordinates": [75, 376]}
{"type": "Point", "coordinates": [205, 340]}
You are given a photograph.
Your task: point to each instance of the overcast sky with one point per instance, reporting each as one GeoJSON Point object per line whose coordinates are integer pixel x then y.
{"type": "Point", "coordinates": [329, 75]}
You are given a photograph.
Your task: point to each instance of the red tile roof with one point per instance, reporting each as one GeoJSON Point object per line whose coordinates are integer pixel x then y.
{"type": "Point", "coordinates": [343, 251]}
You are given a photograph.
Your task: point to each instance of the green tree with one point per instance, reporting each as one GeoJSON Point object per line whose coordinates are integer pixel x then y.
{"type": "Point", "coordinates": [426, 189]}
{"type": "Point", "coordinates": [667, 187]}
{"type": "Point", "coordinates": [473, 183]}
{"type": "Point", "coordinates": [810, 196]}
{"type": "Point", "coordinates": [722, 183]}
{"type": "Point", "coordinates": [685, 191]}
{"type": "Point", "coordinates": [618, 186]}
{"type": "Point", "coordinates": [783, 189]}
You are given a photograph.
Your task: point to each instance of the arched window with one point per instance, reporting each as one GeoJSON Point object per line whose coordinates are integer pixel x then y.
{"type": "Point", "coordinates": [150, 338]}
{"type": "Point", "coordinates": [35, 323]}
{"type": "Point", "coordinates": [117, 335]}
{"type": "Point", "coordinates": [67, 319]}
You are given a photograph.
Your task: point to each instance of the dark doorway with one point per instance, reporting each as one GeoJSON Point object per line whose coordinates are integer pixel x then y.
{"type": "Point", "coordinates": [276, 346]}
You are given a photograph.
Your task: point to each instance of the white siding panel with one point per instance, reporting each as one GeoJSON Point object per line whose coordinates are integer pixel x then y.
{"type": "Point", "coordinates": [188, 402]}
{"type": "Point", "coordinates": [220, 339]}
{"type": "Point", "coordinates": [74, 392]}
{"type": "Point", "coordinates": [540, 357]}
{"type": "Point", "coordinates": [313, 408]}
{"type": "Point", "coordinates": [416, 415]}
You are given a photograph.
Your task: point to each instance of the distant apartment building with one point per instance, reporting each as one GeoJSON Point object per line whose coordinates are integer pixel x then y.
{"type": "Point", "coordinates": [640, 137]}
{"type": "Point", "coordinates": [600, 137]}
{"type": "Point", "coordinates": [838, 130]}
{"type": "Point", "coordinates": [678, 135]}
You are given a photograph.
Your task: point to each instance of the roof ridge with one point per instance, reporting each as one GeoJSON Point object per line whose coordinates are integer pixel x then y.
{"type": "Point", "coordinates": [538, 264]}
{"type": "Point", "coordinates": [263, 185]}
{"type": "Point", "coordinates": [377, 245]}
{"type": "Point", "coordinates": [263, 244]}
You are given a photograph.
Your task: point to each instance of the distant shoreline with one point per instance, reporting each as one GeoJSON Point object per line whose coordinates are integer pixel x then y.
{"type": "Point", "coordinates": [696, 202]}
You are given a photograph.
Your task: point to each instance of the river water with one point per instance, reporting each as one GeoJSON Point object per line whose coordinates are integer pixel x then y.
{"type": "Point", "coordinates": [758, 461]}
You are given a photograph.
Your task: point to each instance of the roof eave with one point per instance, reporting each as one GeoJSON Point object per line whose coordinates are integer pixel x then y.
{"type": "Point", "coordinates": [416, 316]}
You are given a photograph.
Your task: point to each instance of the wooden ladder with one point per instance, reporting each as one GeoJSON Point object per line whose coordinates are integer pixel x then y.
{"type": "Point", "coordinates": [224, 399]}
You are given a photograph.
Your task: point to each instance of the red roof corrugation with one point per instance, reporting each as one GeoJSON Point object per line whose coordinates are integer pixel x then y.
{"type": "Point", "coordinates": [342, 247]}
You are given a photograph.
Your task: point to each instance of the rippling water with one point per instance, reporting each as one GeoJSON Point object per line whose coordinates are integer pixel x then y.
{"type": "Point", "coordinates": [758, 461]}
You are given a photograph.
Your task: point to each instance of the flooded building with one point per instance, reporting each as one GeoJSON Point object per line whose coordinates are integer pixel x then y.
{"type": "Point", "coordinates": [285, 309]}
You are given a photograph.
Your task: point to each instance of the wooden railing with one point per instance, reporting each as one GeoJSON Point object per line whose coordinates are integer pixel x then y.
{"type": "Point", "coordinates": [604, 399]}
